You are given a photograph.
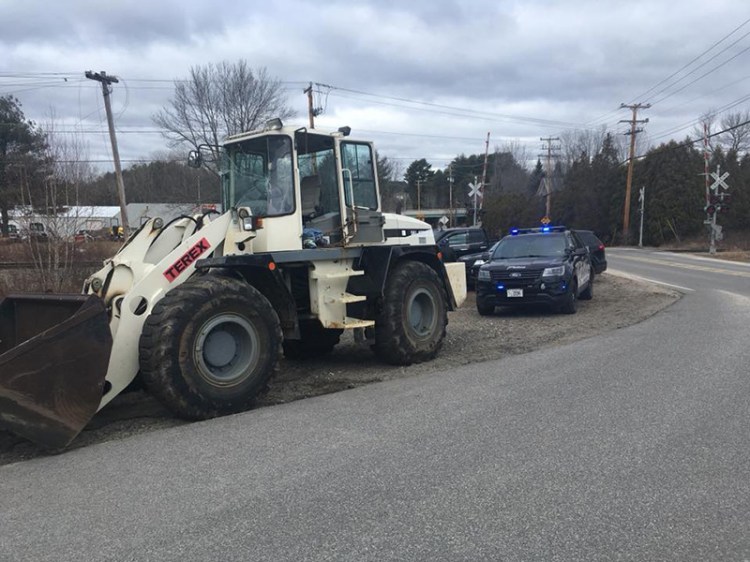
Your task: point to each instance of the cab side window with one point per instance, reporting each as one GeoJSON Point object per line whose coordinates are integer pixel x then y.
{"type": "Point", "coordinates": [476, 237]}
{"type": "Point", "coordinates": [459, 239]}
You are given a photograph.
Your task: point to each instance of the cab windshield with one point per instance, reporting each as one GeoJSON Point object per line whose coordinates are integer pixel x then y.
{"type": "Point", "coordinates": [530, 246]}
{"type": "Point", "coordinates": [258, 173]}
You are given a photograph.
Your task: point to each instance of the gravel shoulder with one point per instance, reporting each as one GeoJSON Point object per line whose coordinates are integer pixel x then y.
{"type": "Point", "coordinates": [617, 302]}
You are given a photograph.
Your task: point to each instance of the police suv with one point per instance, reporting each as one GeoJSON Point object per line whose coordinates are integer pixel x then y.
{"type": "Point", "coordinates": [548, 265]}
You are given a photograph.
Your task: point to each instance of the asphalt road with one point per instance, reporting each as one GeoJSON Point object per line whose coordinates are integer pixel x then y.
{"type": "Point", "coordinates": [634, 445]}
{"type": "Point", "coordinates": [686, 272]}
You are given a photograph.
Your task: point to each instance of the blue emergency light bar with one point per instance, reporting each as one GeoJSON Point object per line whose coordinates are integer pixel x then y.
{"type": "Point", "coordinates": [541, 229]}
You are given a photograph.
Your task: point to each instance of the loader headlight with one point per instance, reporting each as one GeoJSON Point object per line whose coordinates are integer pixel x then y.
{"type": "Point", "coordinates": [246, 218]}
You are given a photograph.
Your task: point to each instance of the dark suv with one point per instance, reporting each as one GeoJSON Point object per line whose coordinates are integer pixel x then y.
{"type": "Point", "coordinates": [457, 242]}
{"type": "Point", "coordinates": [596, 249]}
{"type": "Point", "coordinates": [549, 265]}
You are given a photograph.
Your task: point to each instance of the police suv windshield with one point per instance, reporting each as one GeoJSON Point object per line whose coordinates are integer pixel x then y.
{"type": "Point", "coordinates": [531, 246]}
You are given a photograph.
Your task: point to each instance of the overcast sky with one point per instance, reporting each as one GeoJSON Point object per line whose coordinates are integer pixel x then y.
{"type": "Point", "coordinates": [423, 78]}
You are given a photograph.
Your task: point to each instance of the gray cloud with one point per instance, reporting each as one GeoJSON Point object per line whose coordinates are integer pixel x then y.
{"type": "Point", "coordinates": [537, 60]}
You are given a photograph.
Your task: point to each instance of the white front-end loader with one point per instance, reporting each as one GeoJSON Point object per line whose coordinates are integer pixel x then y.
{"type": "Point", "coordinates": [203, 307]}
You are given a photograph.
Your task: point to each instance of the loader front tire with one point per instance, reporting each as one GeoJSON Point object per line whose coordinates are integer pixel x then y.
{"type": "Point", "coordinates": [209, 347]}
{"type": "Point", "coordinates": [410, 326]}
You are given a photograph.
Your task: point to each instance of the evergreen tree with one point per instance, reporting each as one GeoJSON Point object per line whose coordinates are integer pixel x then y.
{"type": "Point", "coordinates": [675, 193]}
{"type": "Point", "coordinates": [417, 175]}
{"type": "Point", "coordinates": [22, 158]}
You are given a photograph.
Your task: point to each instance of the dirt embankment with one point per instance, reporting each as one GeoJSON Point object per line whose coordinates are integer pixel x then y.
{"type": "Point", "coordinates": [471, 338]}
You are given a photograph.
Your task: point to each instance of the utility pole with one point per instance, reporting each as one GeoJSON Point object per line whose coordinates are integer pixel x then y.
{"type": "Point", "coordinates": [711, 220]}
{"type": "Point", "coordinates": [477, 190]}
{"type": "Point", "coordinates": [549, 147]}
{"type": "Point", "coordinates": [450, 196]}
{"type": "Point", "coordinates": [484, 170]}
{"type": "Point", "coordinates": [310, 109]}
{"type": "Point", "coordinates": [642, 200]}
{"type": "Point", "coordinates": [633, 131]}
{"type": "Point", "coordinates": [106, 82]}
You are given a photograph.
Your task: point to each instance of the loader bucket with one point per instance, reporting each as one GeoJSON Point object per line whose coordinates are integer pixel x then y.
{"type": "Point", "coordinates": [54, 352]}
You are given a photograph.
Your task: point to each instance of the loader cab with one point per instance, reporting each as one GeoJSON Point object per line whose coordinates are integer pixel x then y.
{"type": "Point", "coordinates": [311, 189]}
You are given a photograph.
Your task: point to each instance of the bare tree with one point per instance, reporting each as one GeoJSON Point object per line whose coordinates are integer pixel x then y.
{"type": "Point", "coordinates": [737, 127]}
{"type": "Point", "coordinates": [219, 100]}
{"type": "Point", "coordinates": [705, 125]}
{"type": "Point", "coordinates": [55, 210]}
{"type": "Point", "coordinates": [520, 153]}
{"type": "Point", "coordinates": [576, 142]}
{"type": "Point", "coordinates": [68, 154]}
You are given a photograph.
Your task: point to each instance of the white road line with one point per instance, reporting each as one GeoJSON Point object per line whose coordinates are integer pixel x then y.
{"type": "Point", "coordinates": [647, 280]}
{"type": "Point", "coordinates": [684, 265]}
{"type": "Point", "coordinates": [701, 258]}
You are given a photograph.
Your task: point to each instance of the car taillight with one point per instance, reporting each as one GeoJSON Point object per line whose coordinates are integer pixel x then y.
{"type": "Point", "coordinates": [601, 246]}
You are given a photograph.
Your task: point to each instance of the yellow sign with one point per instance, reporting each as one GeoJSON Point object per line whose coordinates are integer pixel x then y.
{"type": "Point", "coordinates": [546, 220]}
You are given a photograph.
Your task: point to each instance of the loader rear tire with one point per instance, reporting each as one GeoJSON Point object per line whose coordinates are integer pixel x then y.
{"type": "Point", "coordinates": [209, 347]}
{"type": "Point", "coordinates": [410, 326]}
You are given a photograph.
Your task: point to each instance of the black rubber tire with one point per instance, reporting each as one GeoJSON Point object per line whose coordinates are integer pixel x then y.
{"type": "Point", "coordinates": [485, 309]}
{"type": "Point", "coordinates": [410, 326]}
{"type": "Point", "coordinates": [209, 347]}
{"type": "Point", "coordinates": [316, 341]}
{"type": "Point", "coordinates": [570, 306]}
{"type": "Point", "coordinates": [588, 293]}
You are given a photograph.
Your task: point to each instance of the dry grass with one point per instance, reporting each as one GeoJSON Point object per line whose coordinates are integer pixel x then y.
{"type": "Point", "coordinates": [739, 255]}
{"type": "Point", "coordinates": [734, 247]}
{"type": "Point", "coordinates": [53, 266]}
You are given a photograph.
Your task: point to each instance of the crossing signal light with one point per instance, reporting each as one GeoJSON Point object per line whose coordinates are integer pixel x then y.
{"type": "Point", "coordinates": [710, 210]}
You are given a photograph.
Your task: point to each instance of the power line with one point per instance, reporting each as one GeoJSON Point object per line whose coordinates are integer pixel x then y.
{"type": "Point", "coordinates": [719, 89]}
{"type": "Point", "coordinates": [675, 73]}
{"type": "Point", "coordinates": [692, 142]}
{"type": "Point", "coordinates": [692, 123]}
{"type": "Point", "coordinates": [605, 116]}
{"type": "Point", "coordinates": [464, 111]}
{"type": "Point", "coordinates": [703, 75]}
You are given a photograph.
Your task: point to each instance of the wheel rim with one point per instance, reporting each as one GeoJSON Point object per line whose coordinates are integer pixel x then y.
{"type": "Point", "coordinates": [421, 313]}
{"type": "Point", "coordinates": [227, 349]}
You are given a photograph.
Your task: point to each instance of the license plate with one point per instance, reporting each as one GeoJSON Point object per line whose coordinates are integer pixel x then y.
{"type": "Point", "coordinates": [515, 292]}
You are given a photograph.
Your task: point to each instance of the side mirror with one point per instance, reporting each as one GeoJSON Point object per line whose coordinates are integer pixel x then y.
{"type": "Point", "coordinates": [195, 160]}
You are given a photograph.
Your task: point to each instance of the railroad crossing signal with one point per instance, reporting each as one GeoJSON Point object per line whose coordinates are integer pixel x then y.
{"type": "Point", "coordinates": [715, 203]}
{"type": "Point", "coordinates": [475, 191]}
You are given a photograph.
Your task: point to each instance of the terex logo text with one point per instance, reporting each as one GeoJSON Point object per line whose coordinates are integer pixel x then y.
{"type": "Point", "coordinates": [186, 259]}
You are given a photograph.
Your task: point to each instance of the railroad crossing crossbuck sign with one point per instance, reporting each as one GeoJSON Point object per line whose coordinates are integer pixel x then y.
{"type": "Point", "coordinates": [475, 190]}
{"type": "Point", "coordinates": [719, 180]}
